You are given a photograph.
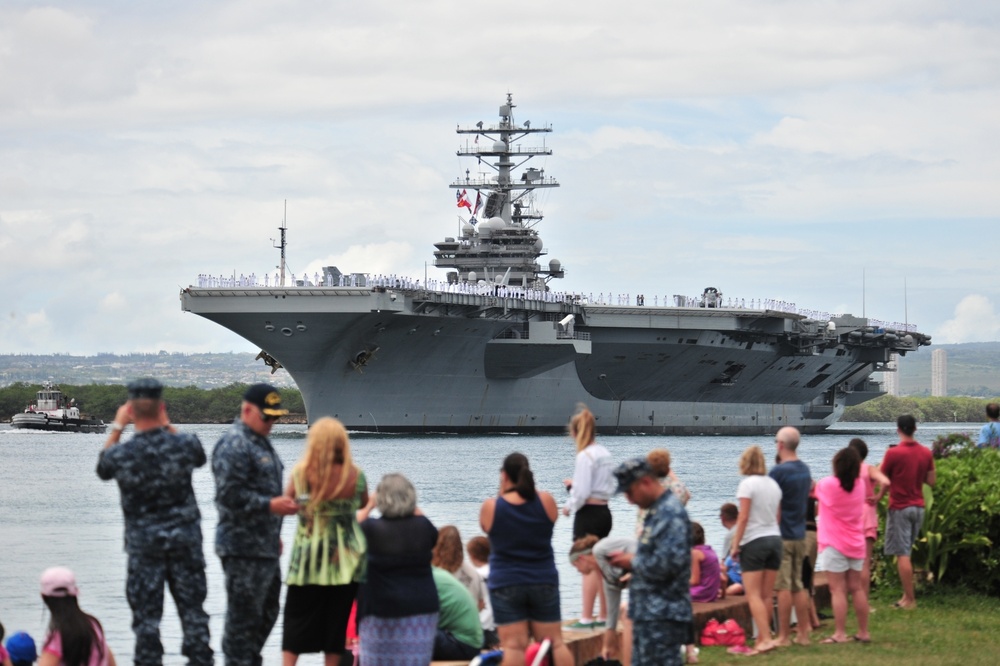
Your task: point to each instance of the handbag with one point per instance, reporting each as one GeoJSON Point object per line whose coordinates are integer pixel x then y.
{"type": "Point", "coordinates": [728, 633]}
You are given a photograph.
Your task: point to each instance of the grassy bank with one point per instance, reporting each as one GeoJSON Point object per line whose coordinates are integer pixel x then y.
{"type": "Point", "coordinates": [949, 627]}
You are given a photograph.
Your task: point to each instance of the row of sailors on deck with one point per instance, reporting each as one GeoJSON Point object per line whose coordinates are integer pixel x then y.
{"type": "Point", "coordinates": [206, 280]}
{"type": "Point", "coordinates": [503, 291]}
{"type": "Point", "coordinates": [508, 291]}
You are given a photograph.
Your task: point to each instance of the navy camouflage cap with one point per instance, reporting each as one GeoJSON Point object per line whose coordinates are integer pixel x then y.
{"type": "Point", "coordinates": [147, 387]}
{"type": "Point", "coordinates": [631, 471]}
{"type": "Point", "coordinates": [267, 398]}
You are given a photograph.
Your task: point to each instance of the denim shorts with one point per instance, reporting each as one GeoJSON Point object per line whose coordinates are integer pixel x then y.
{"type": "Point", "coordinates": [518, 603]}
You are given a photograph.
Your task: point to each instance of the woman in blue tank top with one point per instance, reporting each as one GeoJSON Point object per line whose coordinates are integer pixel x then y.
{"type": "Point", "coordinates": [524, 583]}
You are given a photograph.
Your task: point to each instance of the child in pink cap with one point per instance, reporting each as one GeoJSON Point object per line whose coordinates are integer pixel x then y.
{"type": "Point", "coordinates": [75, 638]}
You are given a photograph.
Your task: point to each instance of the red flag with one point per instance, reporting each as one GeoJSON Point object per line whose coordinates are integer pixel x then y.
{"type": "Point", "coordinates": [463, 200]}
{"type": "Point", "coordinates": [479, 203]}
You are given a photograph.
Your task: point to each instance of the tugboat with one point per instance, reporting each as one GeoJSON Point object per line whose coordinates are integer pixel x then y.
{"type": "Point", "coordinates": [52, 411]}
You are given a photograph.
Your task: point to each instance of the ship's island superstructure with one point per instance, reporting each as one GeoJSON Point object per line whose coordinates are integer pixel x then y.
{"type": "Point", "coordinates": [494, 348]}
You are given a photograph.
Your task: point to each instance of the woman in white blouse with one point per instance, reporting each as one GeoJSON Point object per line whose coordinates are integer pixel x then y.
{"type": "Point", "coordinates": [590, 489]}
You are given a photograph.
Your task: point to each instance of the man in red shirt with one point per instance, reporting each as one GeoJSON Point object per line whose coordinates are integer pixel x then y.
{"type": "Point", "coordinates": [909, 465]}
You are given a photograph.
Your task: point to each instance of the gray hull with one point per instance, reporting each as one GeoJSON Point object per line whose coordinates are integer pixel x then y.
{"type": "Point", "coordinates": [35, 421]}
{"type": "Point", "coordinates": [417, 361]}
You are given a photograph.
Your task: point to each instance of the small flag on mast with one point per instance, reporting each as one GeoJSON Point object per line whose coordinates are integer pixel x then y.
{"type": "Point", "coordinates": [463, 200]}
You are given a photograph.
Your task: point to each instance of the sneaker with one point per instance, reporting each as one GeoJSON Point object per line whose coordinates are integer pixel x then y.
{"type": "Point", "coordinates": [599, 624]}
{"type": "Point", "coordinates": [580, 625]}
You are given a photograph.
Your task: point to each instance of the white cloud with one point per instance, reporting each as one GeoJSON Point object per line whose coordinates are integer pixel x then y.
{"type": "Point", "coordinates": [376, 258]}
{"type": "Point", "coordinates": [770, 148]}
{"type": "Point", "coordinates": [114, 303]}
{"type": "Point", "coordinates": [975, 320]}
{"type": "Point", "coordinates": [29, 331]}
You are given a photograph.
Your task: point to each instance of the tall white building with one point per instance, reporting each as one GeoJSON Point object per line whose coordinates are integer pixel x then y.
{"type": "Point", "coordinates": [939, 372]}
{"type": "Point", "coordinates": [890, 378]}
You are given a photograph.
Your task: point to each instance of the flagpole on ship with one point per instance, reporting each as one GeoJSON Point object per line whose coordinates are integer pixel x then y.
{"type": "Point", "coordinates": [283, 228]}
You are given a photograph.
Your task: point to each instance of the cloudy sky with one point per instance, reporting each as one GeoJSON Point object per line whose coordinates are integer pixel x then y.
{"type": "Point", "coordinates": [841, 155]}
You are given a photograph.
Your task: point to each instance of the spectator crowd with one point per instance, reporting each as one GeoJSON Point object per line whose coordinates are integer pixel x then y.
{"type": "Point", "coordinates": [369, 576]}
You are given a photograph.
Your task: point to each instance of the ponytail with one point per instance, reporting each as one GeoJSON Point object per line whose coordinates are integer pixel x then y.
{"type": "Point", "coordinates": [581, 428]}
{"type": "Point", "coordinates": [515, 466]}
{"type": "Point", "coordinates": [526, 484]}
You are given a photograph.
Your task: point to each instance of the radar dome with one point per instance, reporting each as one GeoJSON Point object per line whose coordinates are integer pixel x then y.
{"type": "Point", "coordinates": [468, 230]}
{"type": "Point", "coordinates": [539, 245]}
{"type": "Point", "coordinates": [485, 230]}
{"type": "Point", "coordinates": [555, 265]}
{"type": "Point", "coordinates": [496, 223]}
{"type": "Point", "coordinates": [472, 276]}
{"type": "Point", "coordinates": [499, 146]}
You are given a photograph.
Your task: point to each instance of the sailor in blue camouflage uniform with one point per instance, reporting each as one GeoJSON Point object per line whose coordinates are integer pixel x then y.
{"type": "Point", "coordinates": [162, 522]}
{"type": "Point", "coordinates": [248, 494]}
{"type": "Point", "coordinates": [660, 598]}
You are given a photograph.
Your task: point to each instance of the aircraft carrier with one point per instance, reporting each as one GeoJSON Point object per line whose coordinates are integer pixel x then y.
{"type": "Point", "coordinates": [495, 347]}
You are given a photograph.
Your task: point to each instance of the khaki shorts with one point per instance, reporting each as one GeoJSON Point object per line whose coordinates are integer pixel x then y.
{"type": "Point", "coordinates": [790, 574]}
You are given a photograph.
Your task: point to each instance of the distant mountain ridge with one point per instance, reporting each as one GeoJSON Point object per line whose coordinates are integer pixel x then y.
{"type": "Point", "coordinates": [173, 369]}
{"type": "Point", "coordinates": [973, 369]}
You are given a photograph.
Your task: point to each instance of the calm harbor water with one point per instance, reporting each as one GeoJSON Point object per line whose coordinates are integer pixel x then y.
{"type": "Point", "coordinates": [55, 511]}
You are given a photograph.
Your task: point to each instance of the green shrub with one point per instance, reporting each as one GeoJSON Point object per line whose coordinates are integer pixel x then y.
{"type": "Point", "coordinates": [946, 445]}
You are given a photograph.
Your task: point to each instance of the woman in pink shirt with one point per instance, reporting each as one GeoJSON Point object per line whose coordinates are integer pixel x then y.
{"type": "Point", "coordinates": [841, 537]}
{"type": "Point", "coordinates": [75, 638]}
{"type": "Point", "coordinates": [876, 485]}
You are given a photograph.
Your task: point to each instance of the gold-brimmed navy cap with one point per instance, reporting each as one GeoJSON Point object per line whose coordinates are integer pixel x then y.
{"type": "Point", "coordinates": [267, 398]}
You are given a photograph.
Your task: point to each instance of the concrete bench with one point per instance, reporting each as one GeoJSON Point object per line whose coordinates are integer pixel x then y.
{"type": "Point", "coordinates": [583, 645]}
{"type": "Point", "coordinates": [586, 645]}
{"type": "Point", "coordinates": [738, 608]}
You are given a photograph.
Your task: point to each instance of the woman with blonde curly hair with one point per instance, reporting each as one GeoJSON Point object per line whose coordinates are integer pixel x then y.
{"type": "Point", "coordinates": [590, 489]}
{"type": "Point", "coordinates": [328, 554]}
{"type": "Point", "coordinates": [659, 460]}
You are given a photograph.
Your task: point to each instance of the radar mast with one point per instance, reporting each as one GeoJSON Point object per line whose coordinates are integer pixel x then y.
{"type": "Point", "coordinates": [503, 246]}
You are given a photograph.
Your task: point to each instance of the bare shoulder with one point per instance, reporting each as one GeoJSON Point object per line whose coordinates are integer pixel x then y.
{"type": "Point", "coordinates": [551, 508]}
{"type": "Point", "coordinates": [486, 512]}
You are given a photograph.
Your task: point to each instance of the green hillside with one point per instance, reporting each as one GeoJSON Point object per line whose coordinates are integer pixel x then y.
{"type": "Point", "coordinates": [973, 370]}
